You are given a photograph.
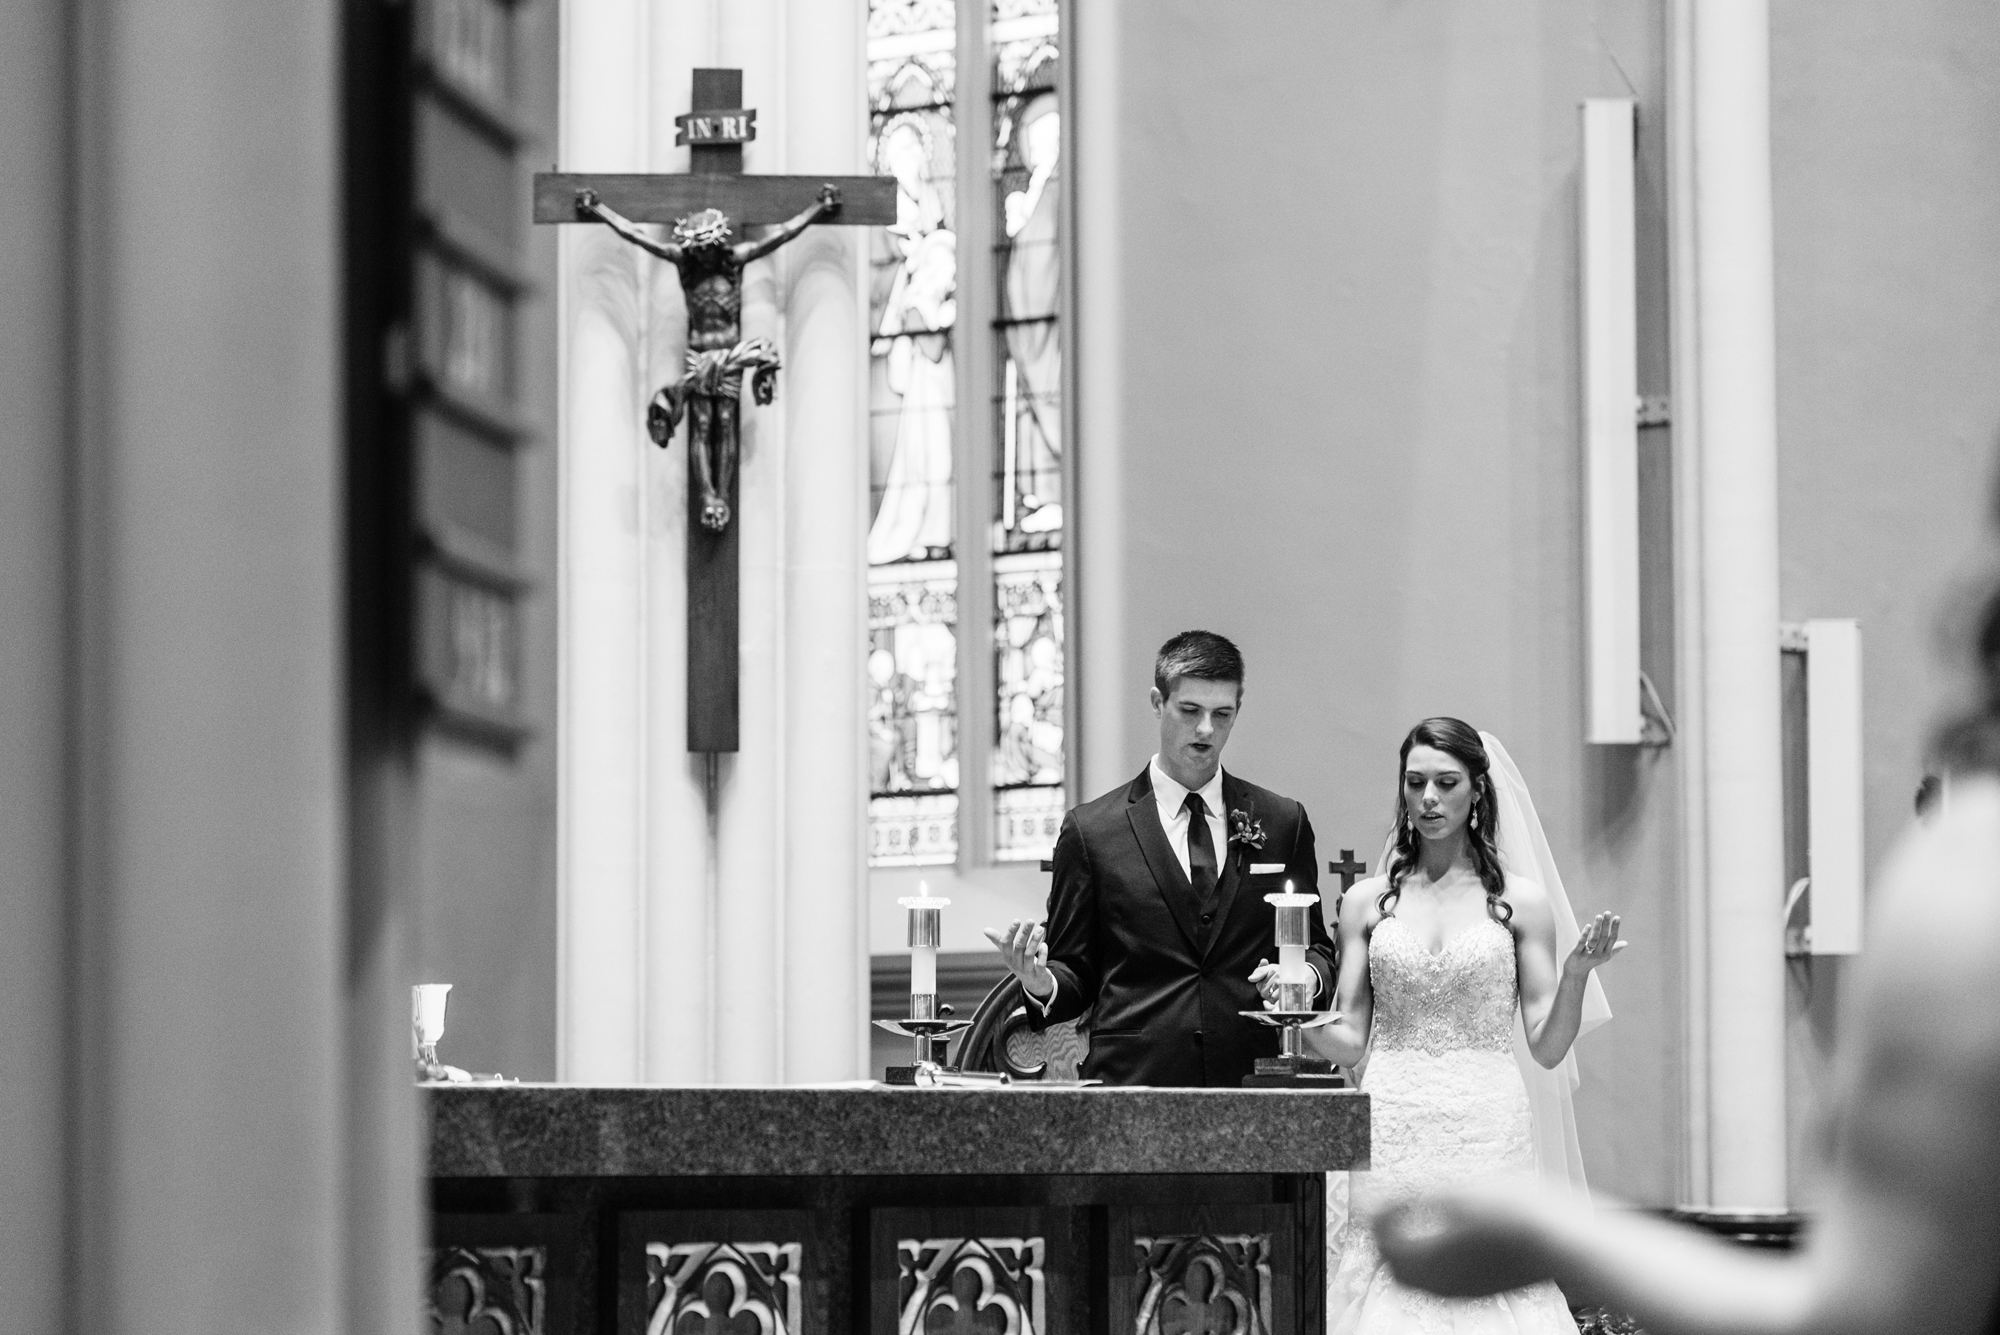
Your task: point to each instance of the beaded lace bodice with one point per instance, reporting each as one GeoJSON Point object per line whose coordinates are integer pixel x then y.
{"type": "Point", "coordinates": [1457, 999]}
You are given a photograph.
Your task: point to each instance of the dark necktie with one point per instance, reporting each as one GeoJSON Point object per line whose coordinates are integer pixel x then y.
{"type": "Point", "coordinates": [1201, 851]}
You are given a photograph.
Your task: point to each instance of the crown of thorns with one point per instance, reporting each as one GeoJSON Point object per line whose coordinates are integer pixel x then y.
{"type": "Point", "coordinates": [710, 227]}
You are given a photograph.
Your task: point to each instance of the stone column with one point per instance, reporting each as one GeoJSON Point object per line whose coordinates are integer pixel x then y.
{"type": "Point", "coordinates": [1726, 425]}
{"type": "Point", "coordinates": [1109, 690]}
{"type": "Point", "coordinates": [602, 596]}
{"type": "Point", "coordinates": [824, 873]}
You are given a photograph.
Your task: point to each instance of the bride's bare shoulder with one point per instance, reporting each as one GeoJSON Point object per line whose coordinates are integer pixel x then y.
{"type": "Point", "coordinates": [1529, 901]}
{"type": "Point", "coordinates": [1359, 902]}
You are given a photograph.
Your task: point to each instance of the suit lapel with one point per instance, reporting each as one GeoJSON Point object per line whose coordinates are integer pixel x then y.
{"type": "Point", "coordinates": [1144, 814]}
{"type": "Point", "coordinates": [1233, 799]}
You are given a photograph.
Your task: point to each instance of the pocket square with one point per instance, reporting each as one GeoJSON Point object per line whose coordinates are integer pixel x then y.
{"type": "Point", "coordinates": [1265, 868]}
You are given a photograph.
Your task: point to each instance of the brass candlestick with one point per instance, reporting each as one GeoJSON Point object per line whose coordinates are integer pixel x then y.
{"type": "Point", "coordinates": [926, 1026]}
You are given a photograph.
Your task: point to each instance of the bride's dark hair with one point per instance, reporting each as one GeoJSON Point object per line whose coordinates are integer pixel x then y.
{"type": "Point", "coordinates": [1459, 740]}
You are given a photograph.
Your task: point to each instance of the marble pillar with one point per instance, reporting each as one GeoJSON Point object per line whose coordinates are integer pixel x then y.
{"type": "Point", "coordinates": [824, 877]}
{"type": "Point", "coordinates": [1110, 672]}
{"type": "Point", "coordinates": [712, 916]}
{"type": "Point", "coordinates": [603, 731]}
{"type": "Point", "coordinates": [1726, 458]}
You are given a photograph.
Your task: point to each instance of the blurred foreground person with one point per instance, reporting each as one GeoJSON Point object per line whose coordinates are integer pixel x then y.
{"type": "Point", "coordinates": [1908, 1238]}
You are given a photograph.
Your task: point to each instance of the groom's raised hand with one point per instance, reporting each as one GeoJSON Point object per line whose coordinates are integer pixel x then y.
{"type": "Point", "coordinates": [1023, 947]}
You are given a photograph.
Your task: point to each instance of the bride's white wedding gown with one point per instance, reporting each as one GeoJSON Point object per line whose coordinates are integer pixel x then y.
{"type": "Point", "coordinates": [1448, 1107]}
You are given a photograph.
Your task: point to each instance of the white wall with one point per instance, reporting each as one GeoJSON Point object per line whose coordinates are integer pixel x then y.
{"type": "Point", "coordinates": [1884, 171]}
{"type": "Point", "coordinates": [1327, 320]}
{"type": "Point", "coordinates": [1330, 409]}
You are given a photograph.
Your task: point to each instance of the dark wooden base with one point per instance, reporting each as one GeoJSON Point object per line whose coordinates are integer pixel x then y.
{"type": "Point", "coordinates": [845, 1255]}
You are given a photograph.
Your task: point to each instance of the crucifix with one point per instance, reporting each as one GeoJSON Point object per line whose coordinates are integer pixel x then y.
{"type": "Point", "coordinates": [709, 208]}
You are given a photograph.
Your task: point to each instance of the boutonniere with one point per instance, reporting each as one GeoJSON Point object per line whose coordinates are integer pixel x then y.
{"type": "Point", "coordinates": [1245, 831]}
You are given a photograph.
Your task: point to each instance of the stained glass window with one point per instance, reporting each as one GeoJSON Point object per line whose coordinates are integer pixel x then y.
{"type": "Point", "coordinates": [924, 85]}
{"type": "Point", "coordinates": [913, 311]}
{"type": "Point", "coordinates": [1027, 510]}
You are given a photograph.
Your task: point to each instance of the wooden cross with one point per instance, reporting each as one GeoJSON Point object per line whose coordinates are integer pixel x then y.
{"type": "Point", "coordinates": [715, 129]}
{"type": "Point", "coordinates": [1347, 869]}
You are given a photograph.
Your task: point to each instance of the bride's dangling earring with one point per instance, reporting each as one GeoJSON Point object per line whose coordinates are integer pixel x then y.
{"type": "Point", "coordinates": [1475, 818]}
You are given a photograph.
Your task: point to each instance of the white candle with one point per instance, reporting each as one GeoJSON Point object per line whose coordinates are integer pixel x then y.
{"type": "Point", "coordinates": [926, 934]}
{"type": "Point", "coordinates": [1291, 923]}
{"type": "Point", "coordinates": [1292, 966]}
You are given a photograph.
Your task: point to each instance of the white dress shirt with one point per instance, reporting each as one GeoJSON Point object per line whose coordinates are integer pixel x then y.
{"type": "Point", "coordinates": [1174, 818]}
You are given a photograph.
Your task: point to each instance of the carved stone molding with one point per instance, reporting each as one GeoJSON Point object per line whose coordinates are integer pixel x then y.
{"type": "Point", "coordinates": [488, 1291]}
{"type": "Point", "coordinates": [724, 1288]}
{"type": "Point", "coordinates": [1204, 1284]}
{"type": "Point", "coordinates": [971, 1286]}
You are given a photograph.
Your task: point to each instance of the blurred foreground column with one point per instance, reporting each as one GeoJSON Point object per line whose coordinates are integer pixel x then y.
{"type": "Point", "coordinates": [209, 1122]}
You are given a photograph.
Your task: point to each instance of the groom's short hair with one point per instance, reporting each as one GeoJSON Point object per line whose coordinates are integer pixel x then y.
{"type": "Point", "coordinates": [1197, 653]}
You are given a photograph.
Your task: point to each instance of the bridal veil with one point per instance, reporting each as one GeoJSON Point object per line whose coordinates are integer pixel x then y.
{"type": "Point", "coordinates": [1524, 852]}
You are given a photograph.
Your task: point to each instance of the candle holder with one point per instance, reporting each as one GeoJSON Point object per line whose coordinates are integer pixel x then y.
{"type": "Point", "coordinates": [926, 1026]}
{"type": "Point", "coordinates": [1293, 1067]}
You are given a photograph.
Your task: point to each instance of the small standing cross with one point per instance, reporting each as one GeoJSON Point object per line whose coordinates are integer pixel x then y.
{"type": "Point", "coordinates": [1347, 869]}
{"type": "Point", "coordinates": [708, 208]}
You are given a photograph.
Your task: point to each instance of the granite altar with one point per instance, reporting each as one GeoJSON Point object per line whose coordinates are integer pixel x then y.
{"type": "Point", "coordinates": [1011, 1210]}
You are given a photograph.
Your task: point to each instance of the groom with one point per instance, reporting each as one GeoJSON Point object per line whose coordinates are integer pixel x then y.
{"type": "Point", "coordinates": [1157, 916]}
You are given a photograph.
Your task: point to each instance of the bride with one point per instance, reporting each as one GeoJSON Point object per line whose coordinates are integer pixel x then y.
{"type": "Point", "coordinates": [1467, 919]}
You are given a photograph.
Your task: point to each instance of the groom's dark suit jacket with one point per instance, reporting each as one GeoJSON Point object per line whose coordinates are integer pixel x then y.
{"type": "Point", "coordinates": [1127, 936]}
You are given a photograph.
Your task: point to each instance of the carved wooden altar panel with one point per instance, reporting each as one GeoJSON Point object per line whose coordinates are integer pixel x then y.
{"type": "Point", "coordinates": [513, 1274]}
{"type": "Point", "coordinates": [1230, 1270]}
{"type": "Point", "coordinates": [978, 1272]}
{"type": "Point", "coordinates": [723, 1272]}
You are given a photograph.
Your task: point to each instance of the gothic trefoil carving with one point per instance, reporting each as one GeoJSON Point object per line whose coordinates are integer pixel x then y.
{"type": "Point", "coordinates": [488, 1291]}
{"type": "Point", "coordinates": [971, 1286]}
{"type": "Point", "coordinates": [1204, 1284]}
{"type": "Point", "coordinates": [723, 1288]}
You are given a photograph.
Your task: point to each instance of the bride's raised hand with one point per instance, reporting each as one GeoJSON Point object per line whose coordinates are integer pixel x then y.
{"type": "Point", "coordinates": [1596, 946]}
